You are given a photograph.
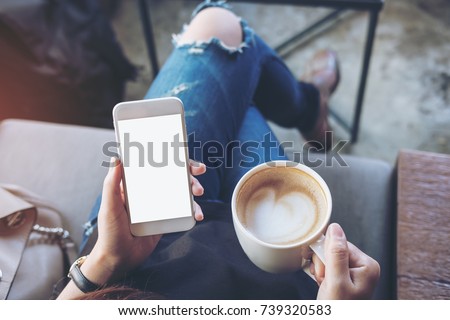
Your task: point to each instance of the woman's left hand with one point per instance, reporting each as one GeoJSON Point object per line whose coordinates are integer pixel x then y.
{"type": "Point", "coordinates": [349, 274]}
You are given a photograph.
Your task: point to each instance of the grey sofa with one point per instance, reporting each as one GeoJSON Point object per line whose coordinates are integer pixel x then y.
{"type": "Point", "coordinates": [62, 163]}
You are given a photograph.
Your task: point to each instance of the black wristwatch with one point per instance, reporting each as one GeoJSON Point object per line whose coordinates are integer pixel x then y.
{"type": "Point", "coordinates": [83, 283]}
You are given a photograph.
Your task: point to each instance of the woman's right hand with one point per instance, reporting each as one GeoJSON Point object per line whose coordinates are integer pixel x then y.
{"type": "Point", "coordinates": [349, 274]}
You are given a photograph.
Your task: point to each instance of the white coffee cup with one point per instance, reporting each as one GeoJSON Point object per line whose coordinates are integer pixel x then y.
{"type": "Point", "coordinates": [260, 213]}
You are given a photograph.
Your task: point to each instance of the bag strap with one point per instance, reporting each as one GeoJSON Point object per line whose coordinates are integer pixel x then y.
{"type": "Point", "coordinates": [17, 218]}
{"type": "Point", "coordinates": [62, 238]}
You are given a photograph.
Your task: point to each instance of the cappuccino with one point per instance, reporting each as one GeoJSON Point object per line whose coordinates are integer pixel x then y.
{"type": "Point", "coordinates": [281, 205]}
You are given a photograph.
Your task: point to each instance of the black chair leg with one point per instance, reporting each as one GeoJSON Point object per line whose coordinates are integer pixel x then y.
{"type": "Point", "coordinates": [373, 19]}
{"type": "Point", "coordinates": [149, 36]}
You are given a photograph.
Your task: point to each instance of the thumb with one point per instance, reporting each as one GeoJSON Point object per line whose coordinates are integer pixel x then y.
{"type": "Point", "coordinates": [113, 178]}
{"type": "Point", "coordinates": [336, 254]}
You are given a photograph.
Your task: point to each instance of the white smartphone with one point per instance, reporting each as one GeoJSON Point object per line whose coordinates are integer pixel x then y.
{"type": "Point", "coordinates": [156, 177]}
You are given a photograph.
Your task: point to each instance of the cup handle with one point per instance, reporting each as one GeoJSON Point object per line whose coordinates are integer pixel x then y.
{"type": "Point", "coordinates": [319, 249]}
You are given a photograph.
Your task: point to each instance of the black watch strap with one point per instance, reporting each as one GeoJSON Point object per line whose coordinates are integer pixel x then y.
{"type": "Point", "coordinates": [83, 283]}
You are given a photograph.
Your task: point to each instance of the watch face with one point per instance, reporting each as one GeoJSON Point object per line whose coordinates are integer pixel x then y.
{"type": "Point", "coordinates": [78, 263]}
{"type": "Point", "coordinates": [83, 283]}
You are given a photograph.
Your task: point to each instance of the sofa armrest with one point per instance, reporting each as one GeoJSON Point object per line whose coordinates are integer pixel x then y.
{"type": "Point", "coordinates": [423, 230]}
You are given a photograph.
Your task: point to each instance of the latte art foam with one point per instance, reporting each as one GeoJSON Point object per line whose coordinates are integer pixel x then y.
{"type": "Point", "coordinates": [281, 205]}
{"type": "Point", "coordinates": [281, 219]}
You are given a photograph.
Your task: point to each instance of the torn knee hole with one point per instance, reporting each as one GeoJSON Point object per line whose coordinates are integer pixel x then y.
{"type": "Point", "coordinates": [214, 23]}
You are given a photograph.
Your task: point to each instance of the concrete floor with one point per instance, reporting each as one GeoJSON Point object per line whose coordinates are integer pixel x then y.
{"type": "Point", "coordinates": [407, 101]}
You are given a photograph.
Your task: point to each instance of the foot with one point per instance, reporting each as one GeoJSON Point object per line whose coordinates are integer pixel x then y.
{"type": "Point", "coordinates": [323, 72]}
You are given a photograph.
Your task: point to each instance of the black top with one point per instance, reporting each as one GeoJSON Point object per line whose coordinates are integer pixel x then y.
{"type": "Point", "coordinates": [207, 262]}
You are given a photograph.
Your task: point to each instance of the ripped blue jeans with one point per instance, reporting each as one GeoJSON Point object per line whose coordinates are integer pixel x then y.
{"type": "Point", "coordinates": [228, 93]}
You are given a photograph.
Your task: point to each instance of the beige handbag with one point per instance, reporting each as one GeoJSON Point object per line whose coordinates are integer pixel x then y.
{"type": "Point", "coordinates": [35, 252]}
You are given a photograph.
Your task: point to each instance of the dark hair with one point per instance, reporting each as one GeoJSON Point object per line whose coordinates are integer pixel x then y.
{"type": "Point", "coordinates": [120, 293]}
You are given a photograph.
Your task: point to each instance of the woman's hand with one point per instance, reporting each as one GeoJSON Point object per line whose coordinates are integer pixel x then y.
{"type": "Point", "coordinates": [349, 274]}
{"type": "Point", "coordinates": [117, 251]}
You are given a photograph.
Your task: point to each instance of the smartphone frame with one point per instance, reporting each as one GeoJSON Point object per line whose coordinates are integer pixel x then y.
{"type": "Point", "coordinates": [154, 108]}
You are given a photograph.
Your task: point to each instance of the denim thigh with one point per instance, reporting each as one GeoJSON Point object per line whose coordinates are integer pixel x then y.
{"type": "Point", "coordinates": [255, 144]}
{"type": "Point", "coordinates": [216, 84]}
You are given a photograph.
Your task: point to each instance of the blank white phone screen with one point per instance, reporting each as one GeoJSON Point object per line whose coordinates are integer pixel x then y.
{"type": "Point", "coordinates": [154, 160]}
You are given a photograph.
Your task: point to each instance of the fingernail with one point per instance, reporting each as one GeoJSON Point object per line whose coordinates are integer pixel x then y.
{"type": "Point", "coordinates": [113, 163]}
{"type": "Point", "coordinates": [336, 231]}
{"type": "Point", "coordinates": [194, 163]}
{"type": "Point", "coordinates": [200, 164]}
